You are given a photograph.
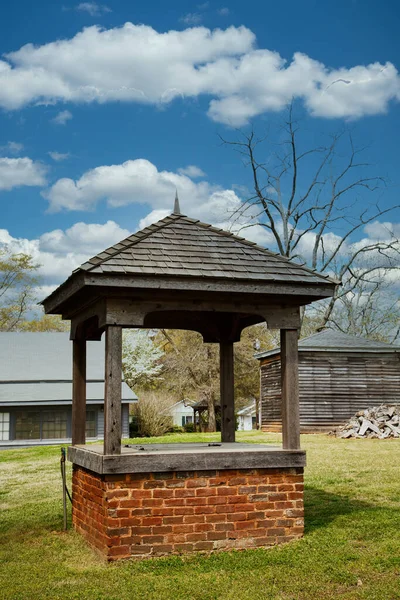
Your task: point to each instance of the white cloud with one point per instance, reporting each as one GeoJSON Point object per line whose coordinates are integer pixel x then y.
{"type": "Point", "coordinates": [191, 19]}
{"type": "Point", "coordinates": [223, 12]}
{"type": "Point", "coordinates": [58, 156]}
{"type": "Point", "coordinates": [140, 182]}
{"type": "Point", "coordinates": [153, 217]}
{"type": "Point", "coordinates": [135, 63]}
{"type": "Point", "coordinates": [331, 241]}
{"type": "Point", "coordinates": [12, 148]}
{"type": "Point", "coordinates": [192, 171]}
{"type": "Point", "coordinates": [62, 117]}
{"type": "Point", "coordinates": [17, 172]}
{"type": "Point", "coordinates": [94, 9]}
{"type": "Point", "coordinates": [60, 252]}
{"type": "Point", "coordinates": [87, 239]}
{"type": "Point", "coordinates": [383, 231]}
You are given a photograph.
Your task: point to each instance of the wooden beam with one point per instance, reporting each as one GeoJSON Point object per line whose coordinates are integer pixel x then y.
{"type": "Point", "coordinates": [290, 389]}
{"type": "Point", "coordinates": [78, 392]}
{"type": "Point", "coordinates": [288, 317]}
{"type": "Point", "coordinates": [265, 287]}
{"type": "Point", "coordinates": [112, 396]}
{"type": "Point", "coordinates": [227, 392]}
{"type": "Point", "coordinates": [235, 456]}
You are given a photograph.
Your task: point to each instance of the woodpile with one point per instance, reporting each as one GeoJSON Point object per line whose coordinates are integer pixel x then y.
{"type": "Point", "coordinates": [378, 422]}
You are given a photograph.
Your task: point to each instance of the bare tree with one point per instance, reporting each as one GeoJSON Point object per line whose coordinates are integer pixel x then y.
{"type": "Point", "coordinates": [369, 310]}
{"type": "Point", "coordinates": [314, 203]}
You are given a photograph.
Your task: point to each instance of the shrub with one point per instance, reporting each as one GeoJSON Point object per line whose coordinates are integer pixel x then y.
{"type": "Point", "coordinates": [189, 428]}
{"type": "Point", "coordinates": [134, 427]}
{"type": "Point", "coordinates": [152, 412]}
{"type": "Point", "coordinates": [176, 429]}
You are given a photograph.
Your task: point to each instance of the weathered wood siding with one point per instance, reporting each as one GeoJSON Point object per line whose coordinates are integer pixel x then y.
{"type": "Point", "coordinates": [332, 386]}
{"type": "Point", "coordinates": [270, 394]}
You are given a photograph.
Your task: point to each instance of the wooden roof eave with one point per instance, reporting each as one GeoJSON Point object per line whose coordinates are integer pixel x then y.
{"type": "Point", "coordinates": [63, 296]}
{"type": "Point", "coordinates": [343, 350]}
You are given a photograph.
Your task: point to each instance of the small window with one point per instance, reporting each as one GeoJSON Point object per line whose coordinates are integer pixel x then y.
{"type": "Point", "coordinates": [186, 419]}
{"type": "Point", "coordinates": [91, 429]}
{"type": "Point", "coordinates": [27, 425]}
{"type": "Point", "coordinates": [54, 424]}
{"type": "Point", "coordinates": [4, 426]}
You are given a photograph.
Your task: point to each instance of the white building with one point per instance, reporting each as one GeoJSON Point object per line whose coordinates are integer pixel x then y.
{"type": "Point", "coordinates": [247, 418]}
{"type": "Point", "coordinates": [182, 413]}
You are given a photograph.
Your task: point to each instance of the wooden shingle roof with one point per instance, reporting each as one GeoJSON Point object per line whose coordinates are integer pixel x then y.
{"type": "Point", "coordinates": [180, 246]}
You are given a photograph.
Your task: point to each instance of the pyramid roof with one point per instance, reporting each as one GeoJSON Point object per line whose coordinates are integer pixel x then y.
{"type": "Point", "coordinates": [185, 254]}
{"type": "Point", "coordinates": [180, 246]}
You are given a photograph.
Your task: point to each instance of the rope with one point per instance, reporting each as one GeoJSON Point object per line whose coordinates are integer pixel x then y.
{"type": "Point", "coordinates": [62, 466]}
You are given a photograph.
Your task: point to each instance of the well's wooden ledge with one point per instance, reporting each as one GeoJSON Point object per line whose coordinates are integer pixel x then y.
{"type": "Point", "coordinates": [148, 458]}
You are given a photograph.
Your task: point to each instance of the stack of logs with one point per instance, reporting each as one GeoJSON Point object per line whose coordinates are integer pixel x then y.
{"type": "Point", "coordinates": [378, 422]}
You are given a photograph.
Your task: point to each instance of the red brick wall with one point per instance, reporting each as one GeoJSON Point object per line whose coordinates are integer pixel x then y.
{"type": "Point", "coordinates": [153, 514]}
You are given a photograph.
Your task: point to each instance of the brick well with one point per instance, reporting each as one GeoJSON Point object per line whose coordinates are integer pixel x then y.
{"type": "Point", "coordinates": [153, 514]}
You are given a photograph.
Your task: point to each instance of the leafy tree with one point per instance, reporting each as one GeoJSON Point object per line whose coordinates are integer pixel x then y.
{"type": "Point", "coordinates": [140, 358]}
{"type": "Point", "coordinates": [191, 367]}
{"type": "Point", "coordinates": [17, 282]}
{"type": "Point", "coordinates": [45, 323]}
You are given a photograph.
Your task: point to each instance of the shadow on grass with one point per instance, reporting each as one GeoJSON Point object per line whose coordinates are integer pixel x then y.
{"type": "Point", "coordinates": [321, 507]}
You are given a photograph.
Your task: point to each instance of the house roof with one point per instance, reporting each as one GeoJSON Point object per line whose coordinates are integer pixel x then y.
{"type": "Point", "coordinates": [38, 366]}
{"type": "Point", "coordinates": [177, 248]}
{"type": "Point", "coordinates": [248, 410]}
{"type": "Point", "coordinates": [330, 340]}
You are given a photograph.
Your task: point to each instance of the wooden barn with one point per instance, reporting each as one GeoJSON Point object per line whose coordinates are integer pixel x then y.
{"type": "Point", "coordinates": [339, 374]}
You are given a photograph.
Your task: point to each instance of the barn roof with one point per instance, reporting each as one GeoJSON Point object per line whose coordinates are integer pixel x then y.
{"type": "Point", "coordinates": [330, 340]}
{"type": "Point", "coordinates": [37, 368]}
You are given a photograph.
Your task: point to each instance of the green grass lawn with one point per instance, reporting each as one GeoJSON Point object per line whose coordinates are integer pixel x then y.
{"type": "Point", "coordinates": [351, 547]}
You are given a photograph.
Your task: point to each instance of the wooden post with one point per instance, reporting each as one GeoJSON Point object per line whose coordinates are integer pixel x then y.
{"type": "Point", "coordinates": [78, 391]}
{"type": "Point", "coordinates": [290, 389]}
{"type": "Point", "coordinates": [112, 395]}
{"type": "Point", "coordinates": [227, 392]}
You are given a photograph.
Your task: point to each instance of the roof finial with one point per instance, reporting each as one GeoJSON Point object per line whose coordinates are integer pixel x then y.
{"type": "Point", "coordinates": [177, 210]}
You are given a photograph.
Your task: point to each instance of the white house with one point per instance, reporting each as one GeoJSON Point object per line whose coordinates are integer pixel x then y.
{"type": "Point", "coordinates": [247, 418]}
{"type": "Point", "coordinates": [182, 413]}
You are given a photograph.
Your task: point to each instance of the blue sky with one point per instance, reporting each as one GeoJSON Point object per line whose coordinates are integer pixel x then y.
{"type": "Point", "coordinates": [99, 125]}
